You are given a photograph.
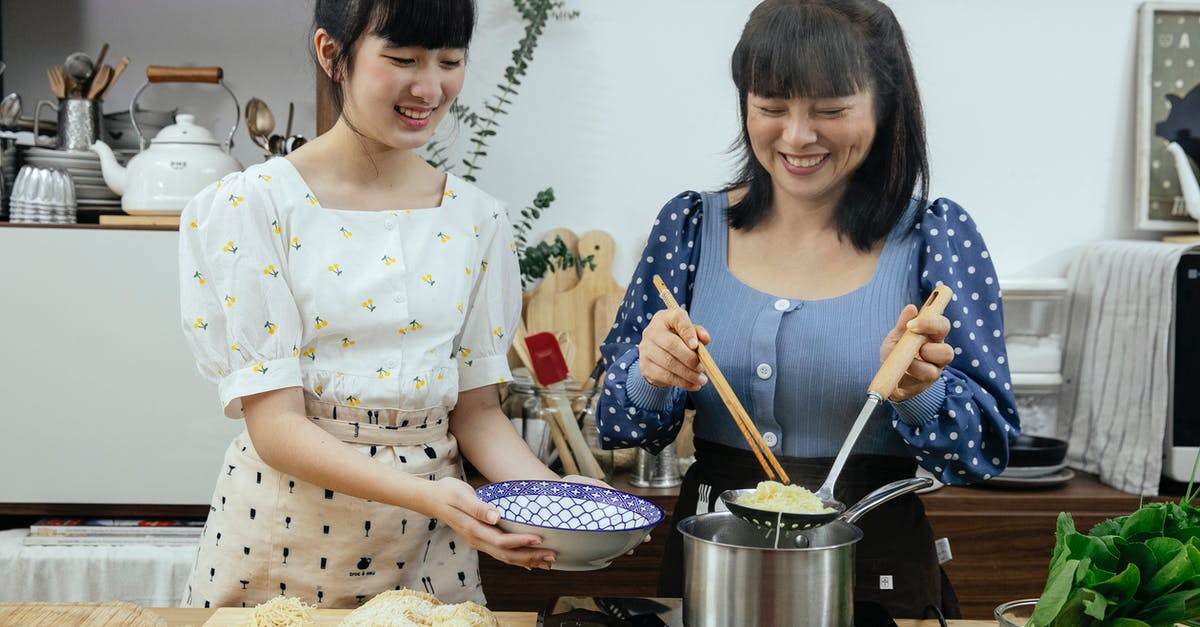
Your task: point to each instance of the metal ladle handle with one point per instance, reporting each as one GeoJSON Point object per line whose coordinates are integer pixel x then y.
{"type": "Point", "coordinates": [885, 382]}
{"type": "Point", "coordinates": [174, 74]}
{"type": "Point", "coordinates": [884, 494]}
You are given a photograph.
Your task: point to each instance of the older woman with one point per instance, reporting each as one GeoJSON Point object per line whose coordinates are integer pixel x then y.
{"type": "Point", "coordinates": [797, 272]}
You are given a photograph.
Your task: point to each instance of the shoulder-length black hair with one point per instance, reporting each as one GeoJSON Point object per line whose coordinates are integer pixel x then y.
{"type": "Point", "coordinates": [432, 24]}
{"type": "Point", "coordinates": [831, 49]}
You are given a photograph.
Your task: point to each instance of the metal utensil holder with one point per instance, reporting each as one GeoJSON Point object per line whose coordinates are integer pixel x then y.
{"type": "Point", "coordinates": [656, 471]}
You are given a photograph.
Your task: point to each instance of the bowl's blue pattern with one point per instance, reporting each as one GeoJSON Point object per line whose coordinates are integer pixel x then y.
{"type": "Point", "coordinates": [574, 506]}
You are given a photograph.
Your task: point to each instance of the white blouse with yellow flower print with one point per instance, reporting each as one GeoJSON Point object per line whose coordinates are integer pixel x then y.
{"type": "Point", "coordinates": [378, 309]}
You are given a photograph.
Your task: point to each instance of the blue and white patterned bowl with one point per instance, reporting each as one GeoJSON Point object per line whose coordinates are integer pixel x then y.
{"type": "Point", "coordinates": [588, 526]}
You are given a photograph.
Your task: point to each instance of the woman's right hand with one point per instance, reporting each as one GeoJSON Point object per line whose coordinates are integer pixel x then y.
{"type": "Point", "coordinates": [454, 502]}
{"type": "Point", "coordinates": [667, 353]}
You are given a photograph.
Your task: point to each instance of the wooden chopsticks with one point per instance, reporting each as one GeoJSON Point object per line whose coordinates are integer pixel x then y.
{"type": "Point", "coordinates": [761, 451]}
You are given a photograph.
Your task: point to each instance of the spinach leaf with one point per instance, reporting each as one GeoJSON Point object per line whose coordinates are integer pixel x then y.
{"type": "Point", "coordinates": [1172, 608]}
{"type": "Point", "coordinates": [1146, 522]}
{"type": "Point", "coordinates": [1054, 596]}
{"type": "Point", "coordinates": [1173, 573]}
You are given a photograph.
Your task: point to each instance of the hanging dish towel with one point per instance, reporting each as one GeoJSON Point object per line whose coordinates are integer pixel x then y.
{"type": "Point", "coordinates": [1116, 368]}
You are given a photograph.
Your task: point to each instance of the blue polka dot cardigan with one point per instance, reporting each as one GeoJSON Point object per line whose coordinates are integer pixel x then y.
{"type": "Point", "coordinates": [958, 429]}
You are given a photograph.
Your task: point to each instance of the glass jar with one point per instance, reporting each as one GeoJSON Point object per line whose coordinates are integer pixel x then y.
{"type": "Point", "coordinates": [526, 405]}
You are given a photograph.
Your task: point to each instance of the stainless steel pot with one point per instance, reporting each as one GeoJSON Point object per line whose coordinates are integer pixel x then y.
{"type": "Point", "coordinates": [738, 574]}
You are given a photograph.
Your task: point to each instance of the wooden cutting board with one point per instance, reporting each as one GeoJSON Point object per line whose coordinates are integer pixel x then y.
{"type": "Point", "coordinates": [61, 614]}
{"type": "Point", "coordinates": [540, 314]}
{"type": "Point", "coordinates": [604, 314]}
{"type": "Point", "coordinates": [237, 616]}
{"type": "Point", "coordinates": [576, 305]}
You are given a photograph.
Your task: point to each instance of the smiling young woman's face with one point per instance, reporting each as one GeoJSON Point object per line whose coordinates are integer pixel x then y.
{"type": "Point", "coordinates": [811, 147]}
{"type": "Point", "coordinates": [397, 96]}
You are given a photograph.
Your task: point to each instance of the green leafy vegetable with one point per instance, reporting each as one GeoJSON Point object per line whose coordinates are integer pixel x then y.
{"type": "Point", "coordinates": [1139, 570]}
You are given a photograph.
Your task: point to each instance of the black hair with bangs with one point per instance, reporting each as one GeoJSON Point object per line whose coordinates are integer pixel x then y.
{"type": "Point", "coordinates": [829, 49]}
{"type": "Point", "coordinates": [432, 24]}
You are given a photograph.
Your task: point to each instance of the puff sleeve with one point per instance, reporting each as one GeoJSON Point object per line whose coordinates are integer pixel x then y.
{"type": "Point", "coordinates": [239, 316]}
{"type": "Point", "coordinates": [494, 309]}
{"type": "Point", "coordinates": [964, 438]}
{"type": "Point", "coordinates": [631, 412]}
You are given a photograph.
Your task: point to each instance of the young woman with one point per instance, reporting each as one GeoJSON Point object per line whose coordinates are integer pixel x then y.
{"type": "Point", "coordinates": [356, 306]}
{"type": "Point", "coordinates": [797, 272]}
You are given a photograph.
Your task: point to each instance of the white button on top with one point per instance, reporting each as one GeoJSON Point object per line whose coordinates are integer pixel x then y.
{"type": "Point", "coordinates": [763, 371]}
{"type": "Point", "coordinates": [389, 224]}
{"type": "Point", "coordinates": [770, 439]}
{"type": "Point", "coordinates": [782, 304]}
{"type": "Point", "coordinates": [399, 298]}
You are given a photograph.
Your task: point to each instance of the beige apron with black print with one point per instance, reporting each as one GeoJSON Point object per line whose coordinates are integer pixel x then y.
{"type": "Point", "coordinates": [270, 534]}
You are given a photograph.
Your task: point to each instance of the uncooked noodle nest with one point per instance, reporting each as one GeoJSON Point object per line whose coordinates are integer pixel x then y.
{"type": "Point", "coordinates": [410, 608]}
{"type": "Point", "coordinates": [281, 612]}
{"type": "Point", "coordinates": [394, 608]}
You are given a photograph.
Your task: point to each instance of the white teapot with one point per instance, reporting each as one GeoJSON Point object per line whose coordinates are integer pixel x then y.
{"type": "Point", "coordinates": [181, 160]}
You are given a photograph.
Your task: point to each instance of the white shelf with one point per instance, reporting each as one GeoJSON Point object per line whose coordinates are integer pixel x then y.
{"type": "Point", "coordinates": [1036, 382]}
{"type": "Point", "coordinates": [1033, 288]}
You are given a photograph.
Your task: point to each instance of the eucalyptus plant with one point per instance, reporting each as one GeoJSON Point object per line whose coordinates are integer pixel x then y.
{"type": "Point", "coordinates": [535, 259]}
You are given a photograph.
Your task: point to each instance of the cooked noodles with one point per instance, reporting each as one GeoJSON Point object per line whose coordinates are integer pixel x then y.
{"type": "Point", "coordinates": [775, 497]}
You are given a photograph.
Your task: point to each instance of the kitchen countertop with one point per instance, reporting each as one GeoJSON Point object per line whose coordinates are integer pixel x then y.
{"type": "Point", "coordinates": [178, 617]}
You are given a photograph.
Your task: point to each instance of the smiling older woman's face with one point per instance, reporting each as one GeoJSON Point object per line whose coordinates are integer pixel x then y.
{"type": "Point", "coordinates": [811, 147]}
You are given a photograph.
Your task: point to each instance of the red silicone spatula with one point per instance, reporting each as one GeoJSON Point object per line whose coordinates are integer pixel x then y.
{"type": "Point", "coordinates": [549, 366]}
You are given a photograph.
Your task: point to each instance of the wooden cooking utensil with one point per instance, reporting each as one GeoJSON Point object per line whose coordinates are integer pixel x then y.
{"type": "Point", "coordinates": [100, 82]}
{"type": "Point", "coordinates": [564, 450]}
{"type": "Point", "coordinates": [103, 52]}
{"type": "Point", "coordinates": [116, 73]}
{"type": "Point", "coordinates": [58, 80]}
{"type": "Point", "coordinates": [761, 451]}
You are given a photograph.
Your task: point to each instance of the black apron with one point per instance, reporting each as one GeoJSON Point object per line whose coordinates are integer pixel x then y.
{"type": "Point", "coordinates": [897, 544]}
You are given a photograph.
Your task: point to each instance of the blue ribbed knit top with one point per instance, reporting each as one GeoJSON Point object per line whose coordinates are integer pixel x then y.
{"type": "Point", "coordinates": [801, 368]}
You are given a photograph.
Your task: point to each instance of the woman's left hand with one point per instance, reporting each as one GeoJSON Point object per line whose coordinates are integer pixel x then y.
{"type": "Point", "coordinates": [587, 480]}
{"type": "Point", "coordinates": [934, 354]}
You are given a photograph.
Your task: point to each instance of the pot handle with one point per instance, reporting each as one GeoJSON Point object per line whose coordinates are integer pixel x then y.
{"type": "Point", "coordinates": [169, 74]}
{"type": "Point", "coordinates": [883, 495]}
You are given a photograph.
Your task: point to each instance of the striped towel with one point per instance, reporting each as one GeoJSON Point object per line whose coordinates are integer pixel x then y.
{"type": "Point", "coordinates": [1116, 368]}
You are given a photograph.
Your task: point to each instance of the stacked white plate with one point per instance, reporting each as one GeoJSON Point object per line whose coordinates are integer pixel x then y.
{"type": "Point", "coordinates": [84, 168]}
{"type": "Point", "coordinates": [8, 170]}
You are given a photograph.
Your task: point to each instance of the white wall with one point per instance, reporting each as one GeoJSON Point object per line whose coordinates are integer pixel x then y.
{"type": "Point", "coordinates": [104, 403]}
{"type": "Point", "coordinates": [1030, 103]}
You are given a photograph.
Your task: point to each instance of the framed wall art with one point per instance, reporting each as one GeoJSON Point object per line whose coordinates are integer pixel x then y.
{"type": "Point", "coordinates": [1168, 110]}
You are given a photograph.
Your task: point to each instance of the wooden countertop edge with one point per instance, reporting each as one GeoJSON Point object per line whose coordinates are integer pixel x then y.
{"type": "Point", "coordinates": [89, 227]}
